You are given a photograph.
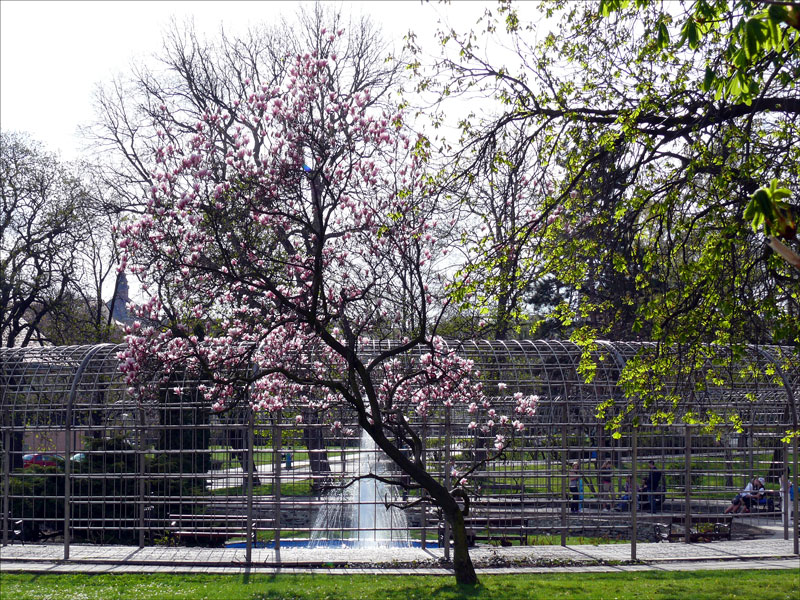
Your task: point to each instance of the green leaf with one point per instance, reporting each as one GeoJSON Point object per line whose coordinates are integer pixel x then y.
{"type": "Point", "coordinates": [754, 35]}
{"type": "Point", "coordinates": [708, 80]}
{"type": "Point", "coordinates": [690, 33]}
{"type": "Point", "coordinates": [609, 6]}
{"type": "Point", "coordinates": [662, 40]}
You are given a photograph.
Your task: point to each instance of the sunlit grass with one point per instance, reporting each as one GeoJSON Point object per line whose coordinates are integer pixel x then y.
{"type": "Point", "coordinates": [701, 585]}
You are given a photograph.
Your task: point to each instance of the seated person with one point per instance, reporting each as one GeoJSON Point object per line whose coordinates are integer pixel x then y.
{"type": "Point", "coordinates": [626, 495]}
{"type": "Point", "coordinates": [765, 497]}
{"type": "Point", "coordinates": [744, 499]}
{"type": "Point", "coordinates": [755, 495]}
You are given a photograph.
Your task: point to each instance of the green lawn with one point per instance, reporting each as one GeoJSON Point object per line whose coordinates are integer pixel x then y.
{"type": "Point", "coordinates": [263, 456]}
{"type": "Point", "coordinates": [709, 479]}
{"type": "Point", "coordinates": [699, 585]}
{"type": "Point", "coordinates": [300, 487]}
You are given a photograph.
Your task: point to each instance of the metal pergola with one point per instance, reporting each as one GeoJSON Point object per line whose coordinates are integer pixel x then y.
{"type": "Point", "coordinates": [169, 471]}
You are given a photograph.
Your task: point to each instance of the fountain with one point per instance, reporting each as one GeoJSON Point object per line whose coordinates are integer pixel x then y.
{"type": "Point", "coordinates": [356, 515]}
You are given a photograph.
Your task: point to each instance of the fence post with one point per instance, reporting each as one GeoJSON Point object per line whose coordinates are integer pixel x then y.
{"type": "Point", "coordinates": [424, 460]}
{"type": "Point", "coordinates": [688, 485]}
{"type": "Point", "coordinates": [251, 467]}
{"type": "Point", "coordinates": [277, 444]}
{"type": "Point", "coordinates": [795, 514]}
{"type": "Point", "coordinates": [786, 502]}
{"type": "Point", "coordinates": [634, 494]}
{"type": "Point", "coordinates": [6, 480]}
{"type": "Point", "coordinates": [141, 456]}
{"type": "Point", "coordinates": [67, 465]}
{"type": "Point", "coordinates": [564, 480]}
{"type": "Point", "coordinates": [447, 478]}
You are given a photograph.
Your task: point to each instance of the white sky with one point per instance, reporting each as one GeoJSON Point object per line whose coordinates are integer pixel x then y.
{"type": "Point", "coordinates": [53, 54]}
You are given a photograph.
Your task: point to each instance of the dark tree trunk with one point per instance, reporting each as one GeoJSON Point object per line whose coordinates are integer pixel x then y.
{"type": "Point", "coordinates": [462, 563]}
{"type": "Point", "coordinates": [317, 449]}
{"type": "Point", "coordinates": [237, 439]}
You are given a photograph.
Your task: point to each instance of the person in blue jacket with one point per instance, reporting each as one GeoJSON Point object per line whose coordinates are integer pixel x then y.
{"type": "Point", "coordinates": [575, 489]}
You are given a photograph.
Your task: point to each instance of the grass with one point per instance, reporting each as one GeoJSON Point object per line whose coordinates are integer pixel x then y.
{"type": "Point", "coordinates": [226, 459]}
{"type": "Point", "coordinates": [291, 488]}
{"type": "Point", "coordinates": [699, 585]}
{"type": "Point", "coordinates": [555, 540]}
{"type": "Point", "coordinates": [268, 535]}
{"type": "Point", "coordinates": [709, 475]}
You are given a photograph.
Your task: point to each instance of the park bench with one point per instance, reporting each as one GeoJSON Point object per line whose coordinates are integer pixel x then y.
{"type": "Point", "coordinates": [490, 529]}
{"type": "Point", "coordinates": [212, 530]}
{"type": "Point", "coordinates": [24, 530]}
{"type": "Point", "coordinates": [704, 528]}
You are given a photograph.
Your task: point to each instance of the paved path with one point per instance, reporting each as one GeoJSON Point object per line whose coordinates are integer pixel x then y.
{"type": "Point", "coordinates": [758, 554]}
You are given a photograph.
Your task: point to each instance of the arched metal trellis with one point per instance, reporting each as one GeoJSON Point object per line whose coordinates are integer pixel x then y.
{"type": "Point", "coordinates": [84, 460]}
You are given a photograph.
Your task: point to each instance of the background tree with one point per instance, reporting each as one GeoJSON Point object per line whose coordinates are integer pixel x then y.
{"type": "Point", "coordinates": [659, 121]}
{"type": "Point", "coordinates": [55, 255]}
{"type": "Point", "coordinates": [500, 189]}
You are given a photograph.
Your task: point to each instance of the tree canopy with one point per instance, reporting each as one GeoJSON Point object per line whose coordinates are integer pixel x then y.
{"type": "Point", "coordinates": [670, 134]}
{"type": "Point", "coordinates": [56, 249]}
{"type": "Point", "coordinates": [657, 150]}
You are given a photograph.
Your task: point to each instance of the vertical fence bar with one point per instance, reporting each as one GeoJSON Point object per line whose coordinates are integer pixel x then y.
{"type": "Point", "coordinates": [447, 478]}
{"type": "Point", "coordinates": [251, 467]}
{"type": "Point", "coordinates": [564, 480]}
{"type": "Point", "coordinates": [277, 444]}
{"type": "Point", "coordinates": [688, 484]}
{"type": "Point", "coordinates": [786, 501]}
{"type": "Point", "coordinates": [795, 514]}
{"type": "Point", "coordinates": [68, 466]}
{"type": "Point", "coordinates": [523, 536]}
{"type": "Point", "coordinates": [141, 456]}
{"type": "Point", "coordinates": [6, 480]}
{"type": "Point", "coordinates": [634, 493]}
{"type": "Point", "coordinates": [424, 459]}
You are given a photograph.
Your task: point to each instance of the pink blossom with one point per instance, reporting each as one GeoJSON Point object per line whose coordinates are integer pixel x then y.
{"type": "Point", "coordinates": [285, 323]}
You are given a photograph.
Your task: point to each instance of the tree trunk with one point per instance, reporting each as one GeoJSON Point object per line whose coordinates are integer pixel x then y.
{"type": "Point", "coordinates": [462, 563]}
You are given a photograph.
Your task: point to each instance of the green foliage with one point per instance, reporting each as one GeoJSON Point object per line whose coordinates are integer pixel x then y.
{"type": "Point", "coordinates": [113, 518]}
{"type": "Point", "coordinates": [659, 124]}
{"type": "Point", "coordinates": [37, 492]}
{"type": "Point", "coordinates": [758, 35]}
{"type": "Point", "coordinates": [768, 208]}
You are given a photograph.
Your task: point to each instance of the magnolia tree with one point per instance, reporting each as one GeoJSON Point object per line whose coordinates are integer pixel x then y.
{"type": "Point", "coordinates": [274, 271]}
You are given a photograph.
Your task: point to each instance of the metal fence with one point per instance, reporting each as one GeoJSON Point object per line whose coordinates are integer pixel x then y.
{"type": "Point", "coordinates": [83, 461]}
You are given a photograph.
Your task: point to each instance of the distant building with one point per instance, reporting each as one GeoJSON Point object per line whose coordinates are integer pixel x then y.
{"type": "Point", "coordinates": [118, 305]}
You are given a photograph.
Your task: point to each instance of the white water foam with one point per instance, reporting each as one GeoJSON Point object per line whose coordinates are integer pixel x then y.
{"type": "Point", "coordinates": [357, 514]}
